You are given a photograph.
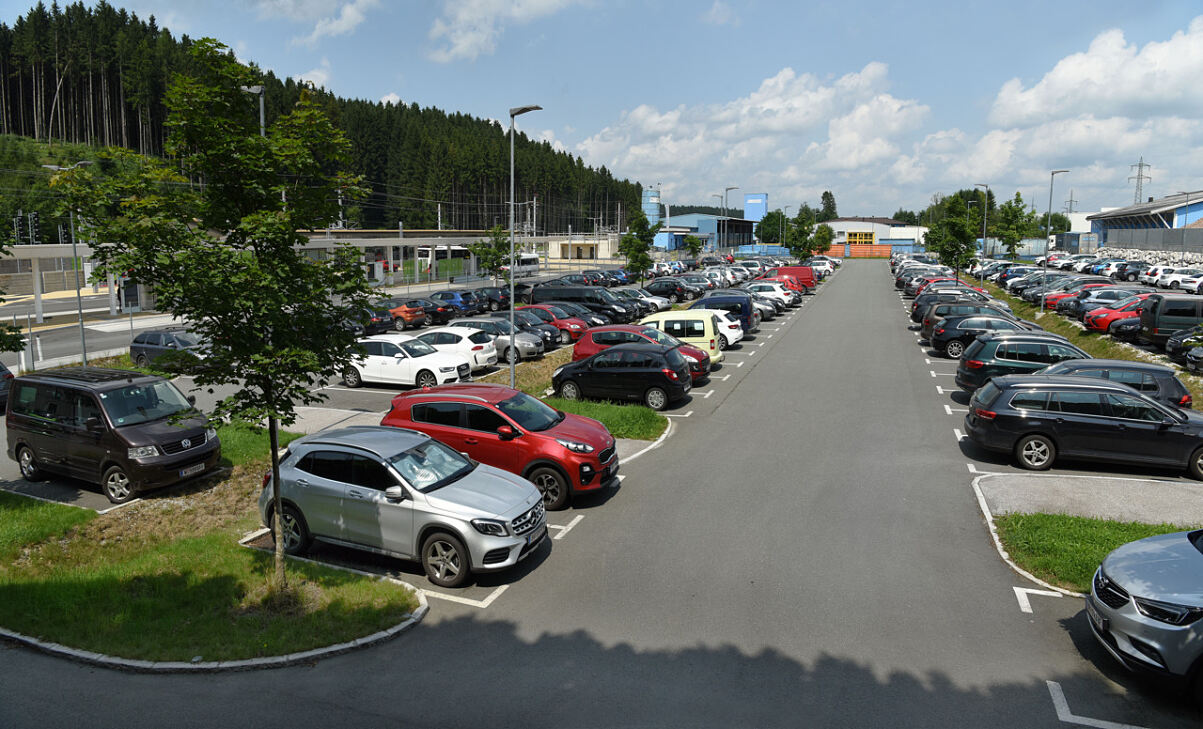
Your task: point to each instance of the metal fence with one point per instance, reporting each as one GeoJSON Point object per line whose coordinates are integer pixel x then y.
{"type": "Point", "coordinates": [1175, 240]}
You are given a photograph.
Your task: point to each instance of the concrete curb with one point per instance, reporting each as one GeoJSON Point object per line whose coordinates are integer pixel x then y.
{"type": "Point", "coordinates": [249, 664]}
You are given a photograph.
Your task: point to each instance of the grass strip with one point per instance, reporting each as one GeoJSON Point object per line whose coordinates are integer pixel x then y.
{"type": "Point", "coordinates": [623, 421]}
{"type": "Point", "coordinates": [25, 521]}
{"type": "Point", "coordinates": [1066, 550]}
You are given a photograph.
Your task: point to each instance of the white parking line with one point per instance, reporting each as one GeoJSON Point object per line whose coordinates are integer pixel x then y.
{"type": "Point", "coordinates": [951, 410]}
{"type": "Point", "coordinates": [358, 389]}
{"type": "Point", "coordinates": [737, 364]}
{"type": "Point", "coordinates": [942, 391]}
{"type": "Point", "coordinates": [482, 604]}
{"type": "Point", "coordinates": [769, 337]}
{"type": "Point", "coordinates": [746, 354]}
{"type": "Point", "coordinates": [760, 344]}
{"type": "Point", "coordinates": [565, 529]}
{"type": "Point", "coordinates": [1068, 717]}
{"type": "Point", "coordinates": [724, 378]}
{"type": "Point", "coordinates": [938, 361]}
{"type": "Point", "coordinates": [118, 506]}
{"type": "Point", "coordinates": [1022, 593]}
{"type": "Point", "coordinates": [942, 374]}
{"type": "Point", "coordinates": [957, 432]}
{"type": "Point", "coordinates": [705, 394]}
{"type": "Point", "coordinates": [672, 415]}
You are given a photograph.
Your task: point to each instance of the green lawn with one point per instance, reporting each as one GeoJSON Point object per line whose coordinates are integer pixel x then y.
{"type": "Point", "coordinates": [624, 421]}
{"type": "Point", "coordinates": [1066, 550]}
{"type": "Point", "coordinates": [25, 521]}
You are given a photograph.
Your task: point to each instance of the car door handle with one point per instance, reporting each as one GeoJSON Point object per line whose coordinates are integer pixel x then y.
{"type": "Point", "coordinates": [302, 482]}
{"type": "Point", "coordinates": [471, 441]}
{"type": "Point", "coordinates": [1058, 420]}
{"type": "Point", "coordinates": [354, 494]}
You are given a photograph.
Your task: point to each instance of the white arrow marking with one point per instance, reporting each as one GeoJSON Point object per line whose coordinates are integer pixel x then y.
{"type": "Point", "coordinates": [1068, 717]}
{"type": "Point", "coordinates": [565, 529]}
{"type": "Point", "coordinates": [1021, 594]}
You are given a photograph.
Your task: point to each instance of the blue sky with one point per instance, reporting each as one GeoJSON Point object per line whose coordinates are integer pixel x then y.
{"type": "Point", "coordinates": [883, 102]}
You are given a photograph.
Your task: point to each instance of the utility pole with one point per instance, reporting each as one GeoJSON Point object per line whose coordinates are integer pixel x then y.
{"type": "Point", "coordinates": [1140, 177]}
{"type": "Point", "coordinates": [1069, 204]}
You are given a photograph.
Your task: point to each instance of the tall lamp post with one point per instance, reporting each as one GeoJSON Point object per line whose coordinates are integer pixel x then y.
{"type": "Point", "coordinates": [258, 90]}
{"type": "Point", "coordinates": [718, 222]}
{"type": "Point", "coordinates": [985, 211]}
{"type": "Point", "coordinates": [727, 226]}
{"type": "Point", "coordinates": [79, 303]}
{"type": "Point", "coordinates": [784, 215]}
{"type": "Point", "coordinates": [514, 112]}
{"type": "Point", "coordinates": [958, 261]}
{"type": "Point", "coordinates": [1048, 231]}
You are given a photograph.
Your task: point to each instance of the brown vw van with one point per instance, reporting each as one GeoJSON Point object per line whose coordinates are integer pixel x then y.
{"type": "Point", "coordinates": [126, 431]}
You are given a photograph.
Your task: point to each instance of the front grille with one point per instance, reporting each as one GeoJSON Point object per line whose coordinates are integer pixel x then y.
{"type": "Point", "coordinates": [178, 446]}
{"type": "Point", "coordinates": [529, 520]}
{"type": "Point", "coordinates": [463, 371]}
{"type": "Point", "coordinates": [1111, 594]}
{"type": "Point", "coordinates": [605, 456]}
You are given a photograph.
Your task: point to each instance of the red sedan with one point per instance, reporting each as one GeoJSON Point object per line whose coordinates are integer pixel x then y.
{"type": "Point", "coordinates": [571, 328]}
{"type": "Point", "coordinates": [599, 338]}
{"type": "Point", "coordinates": [1100, 320]}
{"type": "Point", "coordinates": [1050, 300]}
{"type": "Point", "coordinates": [947, 278]}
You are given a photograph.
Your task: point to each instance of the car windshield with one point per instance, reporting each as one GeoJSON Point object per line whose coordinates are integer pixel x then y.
{"type": "Point", "coordinates": [607, 297]}
{"type": "Point", "coordinates": [557, 312]}
{"type": "Point", "coordinates": [186, 340]}
{"type": "Point", "coordinates": [660, 337]}
{"type": "Point", "coordinates": [527, 319]}
{"type": "Point", "coordinates": [143, 403]}
{"type": "Point", "coordinates": [417, 348]}
{"type": "Point", "coordinates": [529, 412]}
{"type": "Point", "coordinates": [431, 466]}
{"type": "Point", "coordinates": [503, 325]}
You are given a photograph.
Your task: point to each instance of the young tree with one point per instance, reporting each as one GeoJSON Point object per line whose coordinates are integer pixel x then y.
{"type": "Point", "coordinates": [822, 238]}
{"type": "Point", "coordinates": [798, 233]}
{"type": "Point", "coordinates": [1013, 222]}
{"type": "Point", "coordinates": [636, 244]}
{"type": "Point", "coordinates": [827, 207]}
{"type": "Point", "coordinates": [493, 253]}
{"type": "Point", "coordinates": [770, 228]}
{"type": "Point", "coordinates": [952, 237]}
{"type": "Point", "coordinates": [225, 255]}
{"type": "Point", "coordinates": [693, 244]}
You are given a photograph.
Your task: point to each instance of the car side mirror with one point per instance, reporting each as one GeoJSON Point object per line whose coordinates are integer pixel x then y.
{"type": "Point", "coordinates": [192, 399]}
{"type": "Point", "coordinates": [399, 355]}
{"type": "Point", "coordinates": [394, 493]}
{"type": "Point", "coordinates": [505, 432]}
{"type": "Point", "coordinates": [93, 423]}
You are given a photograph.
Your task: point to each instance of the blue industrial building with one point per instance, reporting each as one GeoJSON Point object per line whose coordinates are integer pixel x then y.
{"type": "Point", "coordinates": [716, 231]}
{"type": "Point", "coordinates": [756, 206]}
{"type": "Point", "coordinates": [651, 205]}
{"type": "Point", "coordinates": [1170, 212]}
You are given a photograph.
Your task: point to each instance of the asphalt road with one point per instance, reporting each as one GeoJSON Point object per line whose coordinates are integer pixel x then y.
{"type": "Point", "coordinates": [806, 550]}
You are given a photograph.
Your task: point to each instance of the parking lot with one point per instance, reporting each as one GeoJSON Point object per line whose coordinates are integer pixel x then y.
{"type": "Point", "coordinates": [806, 543]}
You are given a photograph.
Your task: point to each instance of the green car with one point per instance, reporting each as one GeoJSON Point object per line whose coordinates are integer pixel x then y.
{"type": "Point", "coordinates": [1011, 353]}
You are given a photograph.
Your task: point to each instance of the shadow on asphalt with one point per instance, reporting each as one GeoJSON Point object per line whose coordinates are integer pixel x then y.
{"type": "Point", "coordinates": [993, 460]}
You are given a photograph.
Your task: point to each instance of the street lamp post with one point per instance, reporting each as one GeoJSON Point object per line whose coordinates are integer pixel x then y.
{"type": "Point", "coordinates": [957, 267]}
{"type": "Point", "coordinates": [727, 226]}
{"type": "Point", "coordinates": [985, 211]}
{"type": "Point", "coordinates": [258, 90]}
{"type": "Point", "coordinates": [1048, 231]}
{"type": "Point", "coordinates": [784, 215]}
{"type": "Point", "coordinates": [79, 303]}
{"type": "Point", "coordinates": [514, 112]}
{"type": "Point", "coordinates": [718, 222]}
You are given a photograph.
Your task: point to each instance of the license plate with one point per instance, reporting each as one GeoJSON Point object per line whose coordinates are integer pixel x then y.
{"type": "Point", "coordinates": [1100, 623]}
{"type": "Point", "coordinates": [192, 470]}
{"type": "Point", "coordinates": [536, 535]}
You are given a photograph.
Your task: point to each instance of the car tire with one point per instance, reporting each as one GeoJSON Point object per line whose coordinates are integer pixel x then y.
{"type": "Point", "coordinates": [296, 532]}
{"type": "Point", "coordinates": [552, 485]}
{"type": "Point", "coordinates": [954, 349]}
{"type": "Point", "coordinates": [116, 486]}
{"type": "Point", "coordinates": [445, 560]}
{"type": "Point", "coordinates": [426, 378]}
{"type": "Point", "coordinates": [1035, 453]}
{"type": "Point", "coordinates": [570, 391]}
{"type": "Point", "coordinates": [1174, 285]}
{"type": "Point", "coordinates": [30, 470]}
{"type": "Point", "coordinates": [723, 343]}
{"type": "Point", "coordinates": [507, 354]}
{"type": "Point", "coordinates": [141, 361]}
{"type": "Point", "coordinates": [672, 299]}
{"type": "Point", "coordinates": [400, 325]}
{"type": "Point", "coordinates": [656, 398]}
{"type": "Point", "coordinates": [1131, 277]}
{"type": "Point", "coordinates": [494, 306]}
{"type": "Point", "coordinates": [352, 378]}
{"type": "Point", "coordinates": [1195, 465]}
{"type": "Point", "coordinates": [690, 296]}
{"type": "Point", "coordinates": [565, 337]}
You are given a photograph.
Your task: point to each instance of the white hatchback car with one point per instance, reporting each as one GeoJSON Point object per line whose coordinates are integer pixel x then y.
{"type": "Point", "coordinates": [401, 359]}
{"type": "Point", "coordinates": [1174, 280]}
{"type": "Point", "coordinates": [472, 344]}
{"type": "Point", "coordinates": [775, 291]}
{"type": "Point", "coordinates": [730, 330]}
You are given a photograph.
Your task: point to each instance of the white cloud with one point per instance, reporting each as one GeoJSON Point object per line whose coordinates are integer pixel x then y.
{"type": "Point", "coordinates": [549, 136]}
{"type": "Point", "coordinates": [1111, 77]}
{"type": "Point", "coordinates": [469, 29]}
{"type": "Point", "coordinates": [390, 99]}
{"type": "Point", "coordinates": [348, 17]}
{"type": "Point", "coordinates": [720, 13]}
{"type": "Point", "coordinates": [319, 76]}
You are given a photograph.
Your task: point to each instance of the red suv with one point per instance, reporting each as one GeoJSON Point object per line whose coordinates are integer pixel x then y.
{"type": "Point", "coordinates": [599, 338]}
{"type": "Point", "coordinates": [571, 328]}
{"type": "Point", "coordinates": [562, 454]}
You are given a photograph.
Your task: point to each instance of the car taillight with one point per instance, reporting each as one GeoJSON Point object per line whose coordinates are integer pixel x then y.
{"type": "Point", "coordinates": [441, 309]}
{"type": "Point", "coordinates": [940, 330]}
{"type": "Point", "coordinates": [478, 347]}
{"type": "Point", "coordinates": [267, 477]}
{"type": "Point", "coordinates": [975, 364]}
{"type": "Point", "coordinates": [1186, 401]}
{"type": "Point", "coordinates": [712, 344]}
{"type": "Point", "coordinates": [985, 414]}
{"type": "Point", "coordinates": [670, 374]}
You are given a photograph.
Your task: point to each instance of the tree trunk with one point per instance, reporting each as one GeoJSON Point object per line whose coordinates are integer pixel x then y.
{"type": "Point", "coordinates": [280, 578]}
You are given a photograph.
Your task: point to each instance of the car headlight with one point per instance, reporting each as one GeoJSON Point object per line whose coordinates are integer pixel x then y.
{"type": "Point", "coordinates": [574, 326]}
{"type": "Point", "coordinates": [210, 434]}
{"type": "Point", "coordinates": [491, 527]}
{"type": "Point", "coordinates": [575, 446]}
{"type": "Point", "coordinates": [446, 370]}
{"type": "Point", "coordinates": [558, 371]}
{"type": "Point", "coordinates": [689, 357]}
{"type": "Point", "coordinates": [143, 452]}
{"type": "Point", "coordinates": [1167, 612]}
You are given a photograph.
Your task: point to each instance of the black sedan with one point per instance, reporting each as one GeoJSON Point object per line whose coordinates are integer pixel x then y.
{"type": "Point", "coordinates": [495, 297]}
{"type": "Point", "coordinates": [673, 289]}
{"type": "Point", "coordinates": [950, 337]}
{"type": "Point", "coordinates": [437, 312]}
{"type": "Point", "coordinates": [1040, 418]}
{"type": "Point", "coordinates": [654, 374]}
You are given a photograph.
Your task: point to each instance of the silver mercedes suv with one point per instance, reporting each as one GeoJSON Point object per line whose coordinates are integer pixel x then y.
{"type": "Point", "coordinates": [399, 492]}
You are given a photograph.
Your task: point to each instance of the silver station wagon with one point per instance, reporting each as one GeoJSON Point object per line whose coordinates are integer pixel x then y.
{"type": "Point", "coordinates": [401, 493]}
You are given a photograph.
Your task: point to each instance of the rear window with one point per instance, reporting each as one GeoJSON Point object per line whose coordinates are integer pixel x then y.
{"type": "Point", "coordinates": [1172, 307]}
{"type": "Point", "coordinates": [1030, 401]}
{"type": "Point", "coordinates": [985, 394]}
{"type": "Point", "coordinates": [974, 348]}
{"type": "Point", "coordinates": [480, 338]}
{"type": "Point", "coordinates": [674, 358]}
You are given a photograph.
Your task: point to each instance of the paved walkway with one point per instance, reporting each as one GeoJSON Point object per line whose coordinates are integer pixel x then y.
{"type": "Point", "coordinates": [1099, 497]}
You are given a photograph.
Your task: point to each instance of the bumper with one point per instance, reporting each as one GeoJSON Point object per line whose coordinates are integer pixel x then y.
{"type": "Point", "coordinates": [151, 473]}
{"type": "Point", "coordinates": [1116, 629]}
{"type": "Point", "coordinates": [490, 554]}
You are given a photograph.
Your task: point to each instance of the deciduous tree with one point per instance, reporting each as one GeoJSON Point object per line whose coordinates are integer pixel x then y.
{"type": "Point", "coordinates": [493, 253]}
{"type": "Point", "coordinates": [636, 244]}
{"type": "Point", "coordinates": [693, 244]}
{"type": "Point", "coordinates": [1013, 222]}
